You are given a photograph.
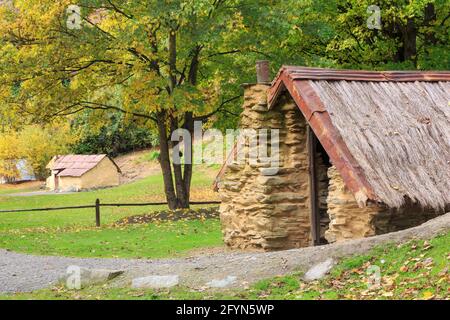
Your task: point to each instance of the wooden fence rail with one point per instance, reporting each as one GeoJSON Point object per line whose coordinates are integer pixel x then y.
{"type": "Point", "coordinates": [97, 206]}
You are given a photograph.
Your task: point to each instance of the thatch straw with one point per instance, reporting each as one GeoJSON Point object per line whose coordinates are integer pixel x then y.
{"type": "Point", "coordinates": [399, 133]}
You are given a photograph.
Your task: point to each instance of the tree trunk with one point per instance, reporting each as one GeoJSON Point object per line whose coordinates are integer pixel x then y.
{"type": "Point", "coordinates": [182, 196]}
{"type": "Point", "coordinates": [188, 156]}
{"type": "Point", "coordinates": [164, 160]}
{"type": "Point", "coordinates": [189, 122]}
{"type": "Point", "coordinates": [409, 41]}
{"type": "Point", "coordinates": [177, 197]}
{"type": "Point", "coordinates": [430, 37]}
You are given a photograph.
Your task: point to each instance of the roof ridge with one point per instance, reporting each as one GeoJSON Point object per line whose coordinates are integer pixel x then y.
{"type": "Point", "coordinates": [314, 73]}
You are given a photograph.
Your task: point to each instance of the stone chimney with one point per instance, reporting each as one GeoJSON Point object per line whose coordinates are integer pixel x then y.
{"type": "Point", "coordinates": [260, 209]}
{"type": "Point", "coordinates": [262, 72]}
{"type": "Point", "coordinates": [255, 95]}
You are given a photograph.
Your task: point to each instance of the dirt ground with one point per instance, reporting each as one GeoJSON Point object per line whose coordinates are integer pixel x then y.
{"type": "Point", "coordinates": [15, 187]}
{"type": "Point", "coordinates": [134, 166]}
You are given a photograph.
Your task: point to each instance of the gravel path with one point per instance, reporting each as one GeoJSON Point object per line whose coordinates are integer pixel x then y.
{"type": "Point", "coordinates": [37, 193]}
{"type": "Point", "coordinates": [22, 272]}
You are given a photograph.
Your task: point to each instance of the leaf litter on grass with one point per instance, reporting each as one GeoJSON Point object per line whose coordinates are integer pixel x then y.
{"type": "Point", "coordinates": [168, 215]}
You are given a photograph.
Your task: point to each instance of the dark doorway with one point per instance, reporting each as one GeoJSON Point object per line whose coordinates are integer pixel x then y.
{"type": "Point", "coordinates": [319, 162]}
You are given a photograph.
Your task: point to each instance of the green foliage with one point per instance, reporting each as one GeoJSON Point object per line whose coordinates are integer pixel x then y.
{"type": "Point", "coordinates": [115, 136]}
{"type": "Point", "coordinates": [412, 35]}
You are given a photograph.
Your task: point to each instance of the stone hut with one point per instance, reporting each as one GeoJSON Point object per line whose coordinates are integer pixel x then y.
{"type": "Point", "coordinates": [361, 153]}
{"type": "Point", "coordinates": [82, 172]}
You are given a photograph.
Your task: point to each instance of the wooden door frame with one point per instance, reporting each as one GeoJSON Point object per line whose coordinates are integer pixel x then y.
{"type": "Point", "coordinates": [313, 186]}
{"type": "Point", "coordinates": [56, 181]}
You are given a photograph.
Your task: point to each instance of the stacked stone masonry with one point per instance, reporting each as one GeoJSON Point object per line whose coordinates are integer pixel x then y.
{"type": "Point", "coordinates": [349, 221]}
{"type": "Point", "coordinates": [260, 210]}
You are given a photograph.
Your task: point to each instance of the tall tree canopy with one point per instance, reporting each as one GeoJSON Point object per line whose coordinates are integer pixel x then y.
{"type": "Point", "coordinates": [161, 60]}
{"type": "Point", "coordinates": [174, 61]}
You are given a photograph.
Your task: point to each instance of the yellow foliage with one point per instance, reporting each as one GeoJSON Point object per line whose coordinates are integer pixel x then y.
{"type": "Point", "coordinates": [9, 154]}
{"type": "Point", "coordinates": [36, 144]}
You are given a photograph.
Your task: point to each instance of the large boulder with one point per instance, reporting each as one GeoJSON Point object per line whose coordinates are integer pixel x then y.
{"type": "Point", "coordinates": [79, 277]}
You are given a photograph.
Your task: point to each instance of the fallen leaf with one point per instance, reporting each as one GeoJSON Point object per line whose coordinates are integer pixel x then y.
{"type": "Point", "coordinates": [428, 295]}
{"type": "Point", "coordinates": [427, 245]}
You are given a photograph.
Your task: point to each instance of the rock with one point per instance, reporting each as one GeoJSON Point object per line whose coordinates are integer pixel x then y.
{"type": "Point", "coordinates": [272, 180]}
{"type": "Point", "coordinates": [155, 282]}
{"type": "Point", "coordinates": [319, 270]}
{"type": "Point", "coordinates": [222, 283]}
{"type": "Point", "coordinates": [70, 189]}
{"type": "Point", "coordinates": [260, 108]}
{"type": "Point", "coordinates": [283, 197]}
{"type": "Point", "coordinates": [87, 277]}
{"type": "Point", "coordinates": [269, 171]}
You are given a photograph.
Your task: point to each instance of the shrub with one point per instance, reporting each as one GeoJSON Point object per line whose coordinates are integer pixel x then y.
{"type": "Point", "coordinates": [115, 137]}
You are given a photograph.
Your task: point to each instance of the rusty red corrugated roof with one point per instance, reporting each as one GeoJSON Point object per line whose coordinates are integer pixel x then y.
{"type": "Point", "coordinates": [73, 165]}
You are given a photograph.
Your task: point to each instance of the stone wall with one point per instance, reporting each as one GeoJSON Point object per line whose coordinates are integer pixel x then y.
{"type": "Point", "coordinates": [408, 216]}
{"type": "Point", "coordinates": [349, 221]}
{"type": "Point", "coordinates": [263, 211]}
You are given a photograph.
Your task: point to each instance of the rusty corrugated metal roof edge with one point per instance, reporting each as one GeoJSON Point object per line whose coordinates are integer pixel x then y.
{"type": "Point", "coordinates": [311, 73]}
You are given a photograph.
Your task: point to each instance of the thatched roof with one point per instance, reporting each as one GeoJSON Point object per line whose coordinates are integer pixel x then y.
{"type": "Point", "coordinates": [388, 133]}
{"type": "Point", "coordinates": [399, 133]}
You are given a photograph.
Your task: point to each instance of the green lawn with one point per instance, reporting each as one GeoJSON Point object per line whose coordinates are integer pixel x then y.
{"type": "Point", "coordinates": [73, 232]}
{"type": "Point", "coordinates": [135, 241]}
{"type": "Point", "coordinates": [415, 270]}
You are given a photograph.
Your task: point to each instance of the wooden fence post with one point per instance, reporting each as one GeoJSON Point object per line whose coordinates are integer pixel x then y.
{"type": "Point", "coordinates": [97, 212]}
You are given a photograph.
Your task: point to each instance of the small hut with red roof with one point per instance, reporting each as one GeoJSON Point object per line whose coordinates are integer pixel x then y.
{"type": "Point", "coordinates": [81, 172]}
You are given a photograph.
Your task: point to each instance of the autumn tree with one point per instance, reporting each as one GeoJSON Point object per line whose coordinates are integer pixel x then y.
{"type": "Point", "coordinates": [9, 156]}
{"type": "Point", "coordinates": [167, 61]}
{"type": "Point", "coordinates": [37, 145]}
